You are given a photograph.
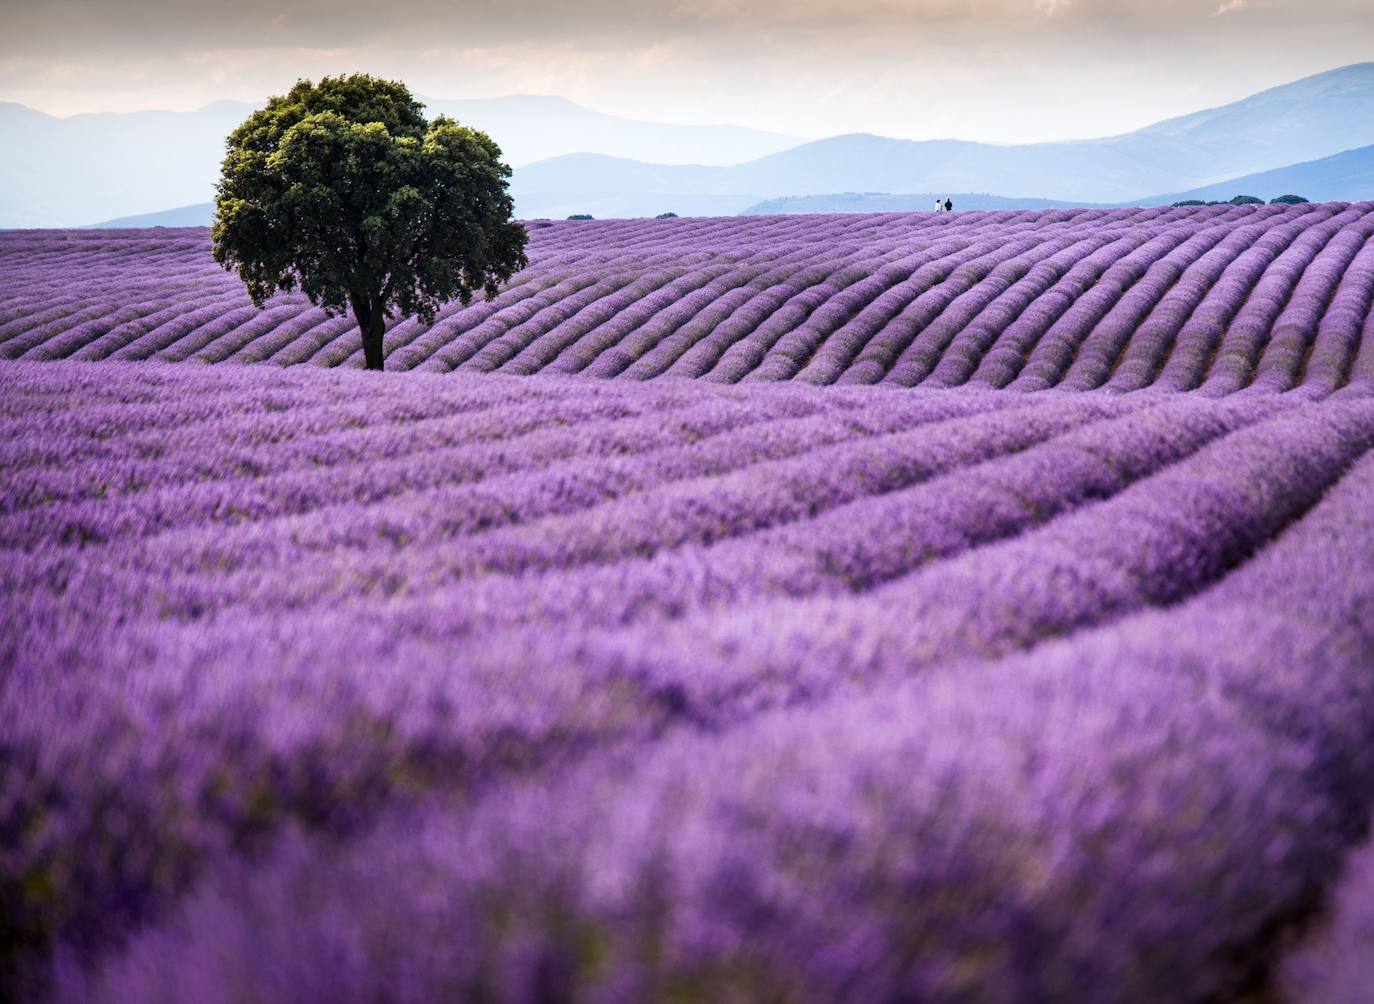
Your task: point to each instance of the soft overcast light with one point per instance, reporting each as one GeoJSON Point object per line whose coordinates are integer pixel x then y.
{"type": "Point", "coordinates": [998, 70]}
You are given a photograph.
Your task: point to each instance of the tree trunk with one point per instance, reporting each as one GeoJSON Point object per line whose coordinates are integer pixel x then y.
{"type": "Point", "coordinates": [372, 341]}
{"type": "Point", "coordinates": [372, 323]}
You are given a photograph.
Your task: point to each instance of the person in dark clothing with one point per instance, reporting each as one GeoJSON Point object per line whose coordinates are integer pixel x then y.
{"type": "Point", "coordinates": [949, 205]}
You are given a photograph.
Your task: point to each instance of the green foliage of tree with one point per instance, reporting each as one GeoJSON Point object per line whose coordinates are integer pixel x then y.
{"type": "Point", "coordinates": [1288, 200]}
{"type": "Point", "coordinates": [1246, 200]}
{"type": "Point", "coordinates": [666, 216]}
{"type": "Point", "coordinates": [581, 216]}
{"type": "Point", "coordinates": [1189, 202]}
{"type": "Point", "coordinates": [344, 190]}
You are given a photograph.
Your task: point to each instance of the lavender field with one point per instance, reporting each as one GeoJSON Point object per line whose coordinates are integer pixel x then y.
{"type": "Point", "coordinates": [1212, 298]}
{"type": "Point", "coordinates": [1030, 658]}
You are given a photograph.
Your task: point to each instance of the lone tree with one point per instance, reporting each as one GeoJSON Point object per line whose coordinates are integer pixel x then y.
{"type": "Point", "coordinates": [343, 189]}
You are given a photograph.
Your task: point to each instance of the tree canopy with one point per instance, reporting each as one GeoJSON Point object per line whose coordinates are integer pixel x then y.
{"type": "Point", "coordinates": [343, 190]}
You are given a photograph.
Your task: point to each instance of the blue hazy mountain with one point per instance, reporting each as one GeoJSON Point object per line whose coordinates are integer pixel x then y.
{"type": "Point", "coordinates": [531, 127]}
{"type": "Point", "coordinates": [1310, 118]}
{"type": "Point", "coordinates": [198, 215]}
{"type": "Point", "coordinates": [70, 171]}
{"type": "Point", "coordinates": [73, 171]}
{"type": "Point", "coordinates": [1345, 177]}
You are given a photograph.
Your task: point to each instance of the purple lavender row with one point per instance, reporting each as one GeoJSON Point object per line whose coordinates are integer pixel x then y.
{"type": "Point", "coordinates": [851, 548]}
{"type": "Point", "coordinates": [1059, 347]}
{"type": "Point", "coordinates": [584, 306]}
{"type": "Point", "coordinates": [216, 454]}
{"type": "Point", "coordinates": [1113, 344]}
{"type": "Point", "coordinates": [945, 839]}
{"type": "Point", "coordinates": [617, 357]}
{"type": "Point", "coordinates": [184, 440]}
{"type": "Point", "coordinates": [238, 418]}
{"type": "Point", "coordinates": [661, 515]}
{"type": "Point", "coordinates": [1288, 348]}
{"type": "Point", "coordinates": [1006, 356]}
{"type": "Point", "coordinates": [978, 315]}
{"type": "Point", "coordinates": [880, 350]}
{"type": "Point", "coordinates": [1148, 345]}
{"type": "Point", "coordinates": [603, 352]}
{"type": "Point", "coordinates": [226, 495]}
{"type": "Point", "coordinates": [98, 403]}
{"type": "Point", "coordinates": [639, 455]}
{"type": "Point", "coordinates": [1338, 333]}
{"type": "Point", "coordinates": [1161, 539]}
{"type": "Point", "coordinates": [237, 804]}
{"type": "Point", "coordinates": [1244, 340]}
{"type": "Point", "coordinates": [954, 271]}
{"type": "Point", "coordinates": [926, 350]}
{"type": "Point", "coordinates": [152, 403]}
{"type": "Point", "coordinates": [657, 347]}
{"type": "Point", "coordinates": [861, 319]}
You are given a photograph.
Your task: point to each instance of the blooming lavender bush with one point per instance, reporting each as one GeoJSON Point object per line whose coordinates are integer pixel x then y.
{"type": "Point", "coordinates": [1041, 670]}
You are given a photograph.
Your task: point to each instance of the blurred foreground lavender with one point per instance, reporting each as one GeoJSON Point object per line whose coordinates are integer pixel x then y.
{"type": "Point", "coordinates": [337, 687]}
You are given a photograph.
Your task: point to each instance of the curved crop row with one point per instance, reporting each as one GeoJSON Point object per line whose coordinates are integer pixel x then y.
{"type": "Point", "coordinates": [1215, 297]}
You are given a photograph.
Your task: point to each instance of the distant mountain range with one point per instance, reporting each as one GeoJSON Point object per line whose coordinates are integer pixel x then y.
{"type": "Point", "coordinates": [1345, 177]}
{"type": "Point", "coordinates": [530, 127]}
{"type": "Point", "coordinates": [69, 171]}
{"type": "Point", "coordinates": [1311, 118]}
{"type": "Point", "coordinates": [72, 171]}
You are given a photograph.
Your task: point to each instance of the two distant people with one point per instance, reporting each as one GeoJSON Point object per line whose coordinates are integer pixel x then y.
{"type": "Point", "coordinates": [944, 207]}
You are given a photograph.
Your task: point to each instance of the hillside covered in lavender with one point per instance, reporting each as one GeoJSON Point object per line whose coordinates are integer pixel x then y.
{"type": "Point", "coordinates": [973, 607]}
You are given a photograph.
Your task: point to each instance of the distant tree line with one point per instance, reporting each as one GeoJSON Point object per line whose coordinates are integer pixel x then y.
{"type": "Point", "coordinates": [1245, 200]}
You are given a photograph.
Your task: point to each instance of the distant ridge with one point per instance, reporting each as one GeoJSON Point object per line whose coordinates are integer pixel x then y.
{"type": "Point", "coordinates": [1214, 150]}
{"type": "Point", "coordinates": [1344, 177]}
{"type": "Point", "coordinates": [531, 127]}
{"type": "Point", "coordinates": [198, 215]}
{"type": "Point", "coordinates": [1311, 118]}
{"type": "Point", "coordinates": [57, 172]}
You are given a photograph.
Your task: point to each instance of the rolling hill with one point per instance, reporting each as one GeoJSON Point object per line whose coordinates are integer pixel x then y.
{"type": "Point", "coordinates": [1066, 298]}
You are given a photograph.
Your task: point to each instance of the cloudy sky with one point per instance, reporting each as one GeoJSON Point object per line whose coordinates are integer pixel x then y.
{"type": "Point", "coordinates": [997, 70]}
